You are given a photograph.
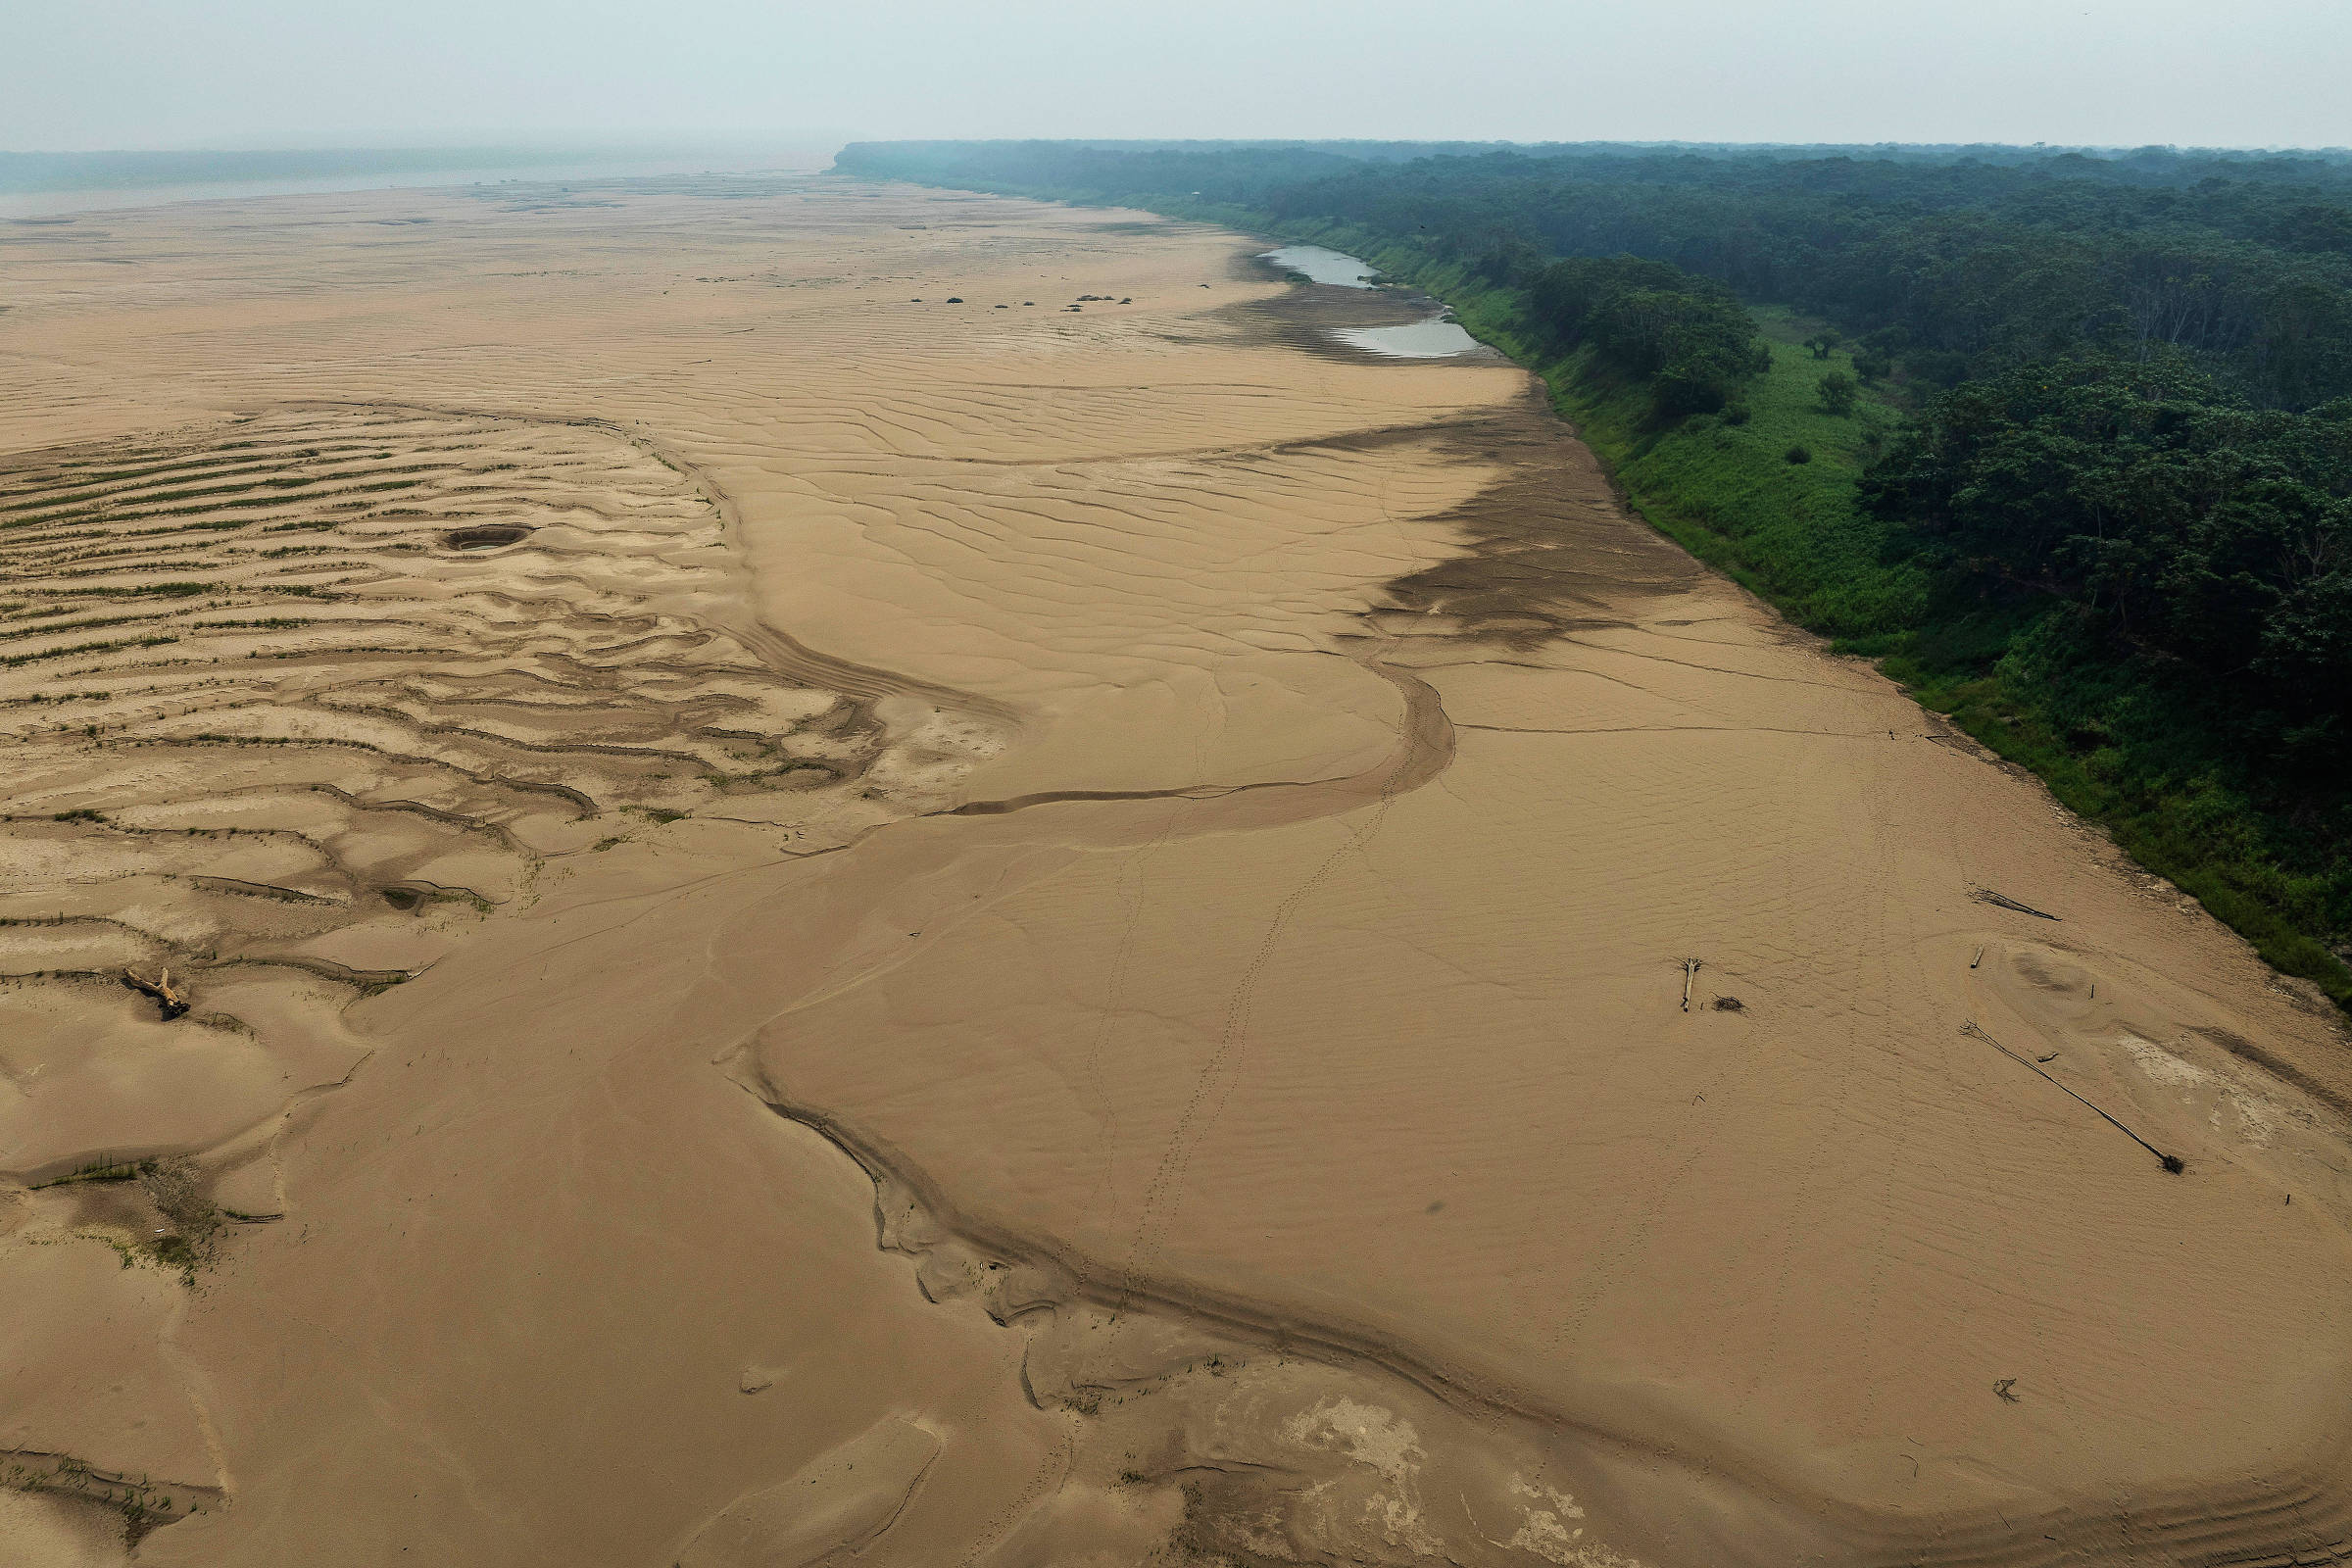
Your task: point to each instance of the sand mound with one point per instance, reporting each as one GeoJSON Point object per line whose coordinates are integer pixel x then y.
{"type": "Point", "coordinates": [309, 694]}
{"type": "Point", "coordinates": [839, 1502]}
{"type": "Point", "coordinates": [297, 701]}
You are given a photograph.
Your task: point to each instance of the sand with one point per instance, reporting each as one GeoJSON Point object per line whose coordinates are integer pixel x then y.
{"type": "Point", "coordinates": [1079, 926]}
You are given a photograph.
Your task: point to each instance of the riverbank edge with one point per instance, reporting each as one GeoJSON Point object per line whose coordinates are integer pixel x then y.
{"type": "Point", "coordinates": [1958, 672]}
{"type": "Point", "coordinates": [1995, 704]}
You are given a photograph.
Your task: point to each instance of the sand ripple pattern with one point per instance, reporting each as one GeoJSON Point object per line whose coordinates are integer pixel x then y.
{"type": "Point", "coordinates": [292, 703]}
{"type": "Point", "coordinates": [1191, 836]}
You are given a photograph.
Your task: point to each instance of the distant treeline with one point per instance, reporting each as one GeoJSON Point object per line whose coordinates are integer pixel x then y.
{"type": "Point", "coordinates": [2110, 507]}
{"type": "Point", "coordinates": [1959, 265]}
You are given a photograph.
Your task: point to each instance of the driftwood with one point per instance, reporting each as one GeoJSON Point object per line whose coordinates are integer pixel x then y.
{"type": "Point", "coordinates": [2003, 901]}
{"type": "Point", "coordinates": [1689, 973]}
{"type": "Point", "coordinates": [2170, 1162]}
{"type": "Point", "coordinates": [167, 996]}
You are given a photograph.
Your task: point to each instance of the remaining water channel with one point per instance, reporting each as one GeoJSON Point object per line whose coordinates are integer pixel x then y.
{"type": "Point", "coordinates": [1438, 338]}
{"type": "Point", "coordinates": [1319, 266]}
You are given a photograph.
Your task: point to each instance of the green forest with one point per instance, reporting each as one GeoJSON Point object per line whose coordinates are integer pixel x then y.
{"type": "Point", "coordinates": [2062, 439]}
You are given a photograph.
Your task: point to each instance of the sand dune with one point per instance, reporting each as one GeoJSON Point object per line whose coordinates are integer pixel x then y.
{"type": "Point", "coordinates": [1078, 927]}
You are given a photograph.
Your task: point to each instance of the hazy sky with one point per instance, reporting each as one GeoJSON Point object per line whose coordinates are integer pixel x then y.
{"type": "Point", "coordinates": [104, 74]}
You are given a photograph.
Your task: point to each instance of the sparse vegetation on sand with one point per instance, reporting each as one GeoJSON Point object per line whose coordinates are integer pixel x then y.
{"type": "Point", "coordinates": [191, 1239]}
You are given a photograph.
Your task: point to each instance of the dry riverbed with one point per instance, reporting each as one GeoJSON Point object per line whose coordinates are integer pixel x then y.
{"type": "Point", "coordinates": [826, 869]}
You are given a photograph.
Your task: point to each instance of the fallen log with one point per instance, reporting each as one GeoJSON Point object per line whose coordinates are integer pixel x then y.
{"type": "Point", "coordinates": [168, 998]}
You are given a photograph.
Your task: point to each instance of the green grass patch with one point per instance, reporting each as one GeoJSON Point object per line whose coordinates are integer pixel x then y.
{"type": "Point", "coordinates": [2111, 742]}
{"type": "Point", "coordinates": [1723, 488]}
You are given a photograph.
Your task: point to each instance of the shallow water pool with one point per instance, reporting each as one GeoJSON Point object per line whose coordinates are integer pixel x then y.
{"type": "Point", "coordinates": [1438, 338]}
{"type": "Point", "coordinates": [1321, 266]}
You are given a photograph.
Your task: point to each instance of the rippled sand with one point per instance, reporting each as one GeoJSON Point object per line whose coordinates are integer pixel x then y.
{"type": "Point", "coordinates": [1375, 1011]}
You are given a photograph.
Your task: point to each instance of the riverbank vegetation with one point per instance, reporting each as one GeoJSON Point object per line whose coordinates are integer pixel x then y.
{"type": "Point", "coordinates": [2063, 441]}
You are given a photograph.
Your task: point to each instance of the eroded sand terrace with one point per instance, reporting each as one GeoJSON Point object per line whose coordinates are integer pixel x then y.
{"type": "Point", "coordinates": [640, 737]}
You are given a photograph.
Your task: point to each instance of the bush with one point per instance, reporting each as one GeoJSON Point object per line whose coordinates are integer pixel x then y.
{"type": "Point", "coordinates": [1941, 366]}
{"type": "Point", "coordinates": [1836, 391]}
{"type": "Point", "coordinates": [1688, 337]}
{"type": "Point", "coordinates": [1799, 454]}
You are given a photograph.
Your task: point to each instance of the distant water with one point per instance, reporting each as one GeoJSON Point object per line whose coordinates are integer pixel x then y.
{"type": "Point", "coordinates": [122, 192]}
{"type": "Point", "coordinates": [1322, 265]}
{"type": "Point", "coordinates": [1436, 338]}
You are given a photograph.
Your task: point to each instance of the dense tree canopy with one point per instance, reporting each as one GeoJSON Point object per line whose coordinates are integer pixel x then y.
{"type": "Point", "coordinates": [1689, 338]}
{"type": "Point", "coordinates": [2133, 370]}
{"type": "Point", "coordinates": [2114, 527]}
{"type": "Point", "coordinates": [1953, 261]}
{"type": "Point", "coordinates": [2203, 532]}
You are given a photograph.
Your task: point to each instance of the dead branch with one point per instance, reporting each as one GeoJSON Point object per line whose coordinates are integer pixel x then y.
{"type": "Point", "coordinates": [2170, 1162]}
{"type": "Point", "coordinates": [2003, 901]}
{"type": "Point", "coordinates": [168, 998]}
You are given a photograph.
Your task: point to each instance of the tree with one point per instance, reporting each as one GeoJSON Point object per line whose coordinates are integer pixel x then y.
{"type": "Point", "coordinates": [1823, 341]}
{"type": "Point", "coordinates": [2209, 536]}
{"type": "Point", "coordinates": [1836, 393]}
{"type": "Point", "coordinates": [1685, 335]}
